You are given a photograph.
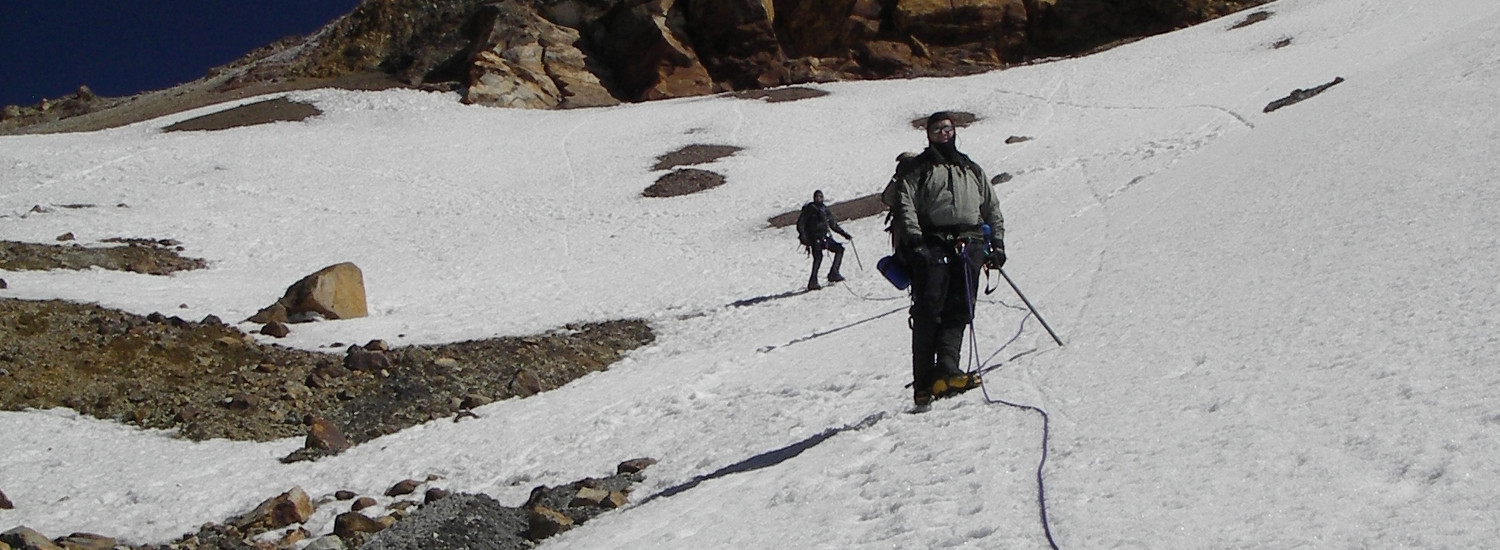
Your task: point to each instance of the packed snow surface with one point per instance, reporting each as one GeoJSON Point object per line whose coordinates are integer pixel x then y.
{"type": "Point", "coordinates": [1280, 328]}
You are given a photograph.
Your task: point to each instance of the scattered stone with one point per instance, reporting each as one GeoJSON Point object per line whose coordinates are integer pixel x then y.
{"type": "Point", "coordinates": [5, 503]}
{"type": "Point", "coordinates": [242, 402]}
{"type": "Point", "coordinates": [1001, 178]}
{"type": "Point", "coordinates": [292, 537]}
{"type": "Point", "coordinates": [344, 494]}
{"type": "Point", "coordinates": [323, 435]}
{"type": "Point", "coordinates": [186, 414]}
{"type": "Point", "coordinates": [86, 541]}
{"type": "Point", "coordinates": [1300, 94]}
{"type": "Point", "coordinates": [525, 383]}
{"type": "Point", "coordinates": [326, 542]}
{"type": "Point", "coordinates": [1017, 139]}
{"type": "Point", "coordinates": [362, 360]}
{"type": "Point", "coordinates": [1251, 19]}
{"type": "Point", "coordinates": [3, 286]}
{"type": "Point", "coordinates": [404, 487]}
{"type": "Point", "coordinates": [350, 525]}
{"type": "Point", "coordinates": [65, 237]}
{"type": "Point", "coordinates": [361, 503]}
{"type": "Point", "coordinates": [275, 330]}
{"type": "Point", "coordinates": [285, 509]}
{"type": "Point", "coordinates": [545, 522]}
{"type": "Point", "coordinates": [24, 538]}
{"type": "Point", "coordinates": [616, 499]}
{"type": "Point", "coordinates": [589, 496]}
{"type": "Point", "coordinates": [635, 465]}
{"type": "Point", "coordinates": [377, 345]}
{"type": "Point", "coordinates": [433, 495]}
{"type": "Point", "coordinates": [274, 313]}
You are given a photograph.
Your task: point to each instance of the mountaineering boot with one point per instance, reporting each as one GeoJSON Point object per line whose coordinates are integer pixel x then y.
{"type": "Point", "coordinates": [955, 384]}
{"type": "Point", "coordinates": [835, 277]}
{"type": "Point", "coordinates": [922, 397]}
{"type": "Point", "coordinates": [812, 284]}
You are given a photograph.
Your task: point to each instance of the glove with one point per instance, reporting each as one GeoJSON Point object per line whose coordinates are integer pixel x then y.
{"type": "Point", "coordinates": [996, 257]}
{"type": "Point", "coordinates": [920, 255]}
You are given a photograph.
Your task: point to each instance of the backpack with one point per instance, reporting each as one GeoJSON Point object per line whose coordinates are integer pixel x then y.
{"type": "Point", "coordinates": [805, 222]}
{"type": "Point", "coordinates": [905, 163]}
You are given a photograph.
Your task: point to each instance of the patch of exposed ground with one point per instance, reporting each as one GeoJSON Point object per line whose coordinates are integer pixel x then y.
{"type": "Point", "coordinates": [152, 257]}
{"type": "Point", "coordinates": [261, 112]}
{"type": "Point", "coordinates": [781, 95]}
{"type": "Point", "coordinates": [85, 113]}
{"type": "Point", "coordinates": [683, 182]}
{"type": "Point", "coordinates": [694, 154]}
{"type": "Point", "coordinates": [206, 380]}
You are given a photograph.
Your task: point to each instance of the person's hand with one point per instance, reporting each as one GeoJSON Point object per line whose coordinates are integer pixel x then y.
{"type": "Point", "coordinates": [920, 254]}
{"type": "Point", "coordinates": [996, 259]}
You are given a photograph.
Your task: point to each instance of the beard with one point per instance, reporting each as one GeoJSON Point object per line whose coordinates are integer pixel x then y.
{"type": "Point", "coordinates": [948, 150]}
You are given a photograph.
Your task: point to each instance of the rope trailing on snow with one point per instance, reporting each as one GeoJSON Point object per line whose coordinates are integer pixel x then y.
{"type": "Point", "coordinates": [979, 368]}
{"type": "Point", "coordinates": [1041, 488]}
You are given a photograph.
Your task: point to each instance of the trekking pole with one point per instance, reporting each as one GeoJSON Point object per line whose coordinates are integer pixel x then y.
{"type": "Point", "coordinates": [1030, 307]}
{"type": "Point", "coordinates": [856, 254]}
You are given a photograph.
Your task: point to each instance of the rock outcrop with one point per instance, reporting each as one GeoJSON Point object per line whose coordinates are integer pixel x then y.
{"type": "Point", "coordinates": [576, 53]}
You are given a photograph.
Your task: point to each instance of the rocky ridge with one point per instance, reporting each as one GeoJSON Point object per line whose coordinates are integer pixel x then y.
{"type": "Point", "coordinates": [586, 53]}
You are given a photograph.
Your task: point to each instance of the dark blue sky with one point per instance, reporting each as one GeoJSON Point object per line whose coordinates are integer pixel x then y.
{"type": "Point", "coordinates": [120, 47]}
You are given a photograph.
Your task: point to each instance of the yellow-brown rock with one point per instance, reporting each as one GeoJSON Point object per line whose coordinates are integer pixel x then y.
{"type": "Point", "coordinates": [334, 292]}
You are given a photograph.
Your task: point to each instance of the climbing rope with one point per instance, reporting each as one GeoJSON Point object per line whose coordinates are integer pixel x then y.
{"type": "Point", "coordinates": [978, 368]}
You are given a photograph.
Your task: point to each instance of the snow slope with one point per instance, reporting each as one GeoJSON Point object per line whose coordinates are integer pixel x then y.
{"type": "Point", "coordinates": [1280, 327]}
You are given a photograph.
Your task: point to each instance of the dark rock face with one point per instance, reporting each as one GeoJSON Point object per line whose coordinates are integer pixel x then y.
{"type": "Point", "coordinates": [642, 50]}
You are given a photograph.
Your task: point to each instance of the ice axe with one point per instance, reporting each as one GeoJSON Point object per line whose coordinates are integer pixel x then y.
{"type": "Point", "coordinates": [1030, 307]}
{"type": "Point", "coordinates": [856, 254]}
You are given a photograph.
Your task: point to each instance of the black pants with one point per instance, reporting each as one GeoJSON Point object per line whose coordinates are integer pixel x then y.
{"type": "Point", "coordinates": [944, 283]}
{"type": "Point", "coordinates": [817, 254]}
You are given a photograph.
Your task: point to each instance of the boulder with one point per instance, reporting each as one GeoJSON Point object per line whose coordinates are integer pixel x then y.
{"type": "Point", "coordinates": [589, 496]}
{"type": "Point", "coordinates": [291, 507]}
{"type": "Point", "coordinates": [5, 503]}
{"type": "Point", "coordinates": [361, 503]}
{"type": "Point", "coordinates": [349, 525]}
{"type": "Point", "coordinates": [25, 538]}
{"type": "Point", "coordinates": [635, 465]}
{"type": "Point", "coordinates": [403, 487]}
{"type": "Point", "coordinates": [324, 436]}
{"type": "Point", "coordinates": [86, 541]}
{"type": "Point", "coordinates": [545, 522]}
{"type": "Point", "coordinates": [334, 292]}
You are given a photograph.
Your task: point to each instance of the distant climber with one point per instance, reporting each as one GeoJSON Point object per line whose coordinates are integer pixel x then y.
{"type": "Point", "coordinates": [813, 227]}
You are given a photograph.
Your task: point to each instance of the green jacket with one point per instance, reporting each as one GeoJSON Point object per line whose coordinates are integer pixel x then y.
{"type": "Point", "coordinates": [935, 195]}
